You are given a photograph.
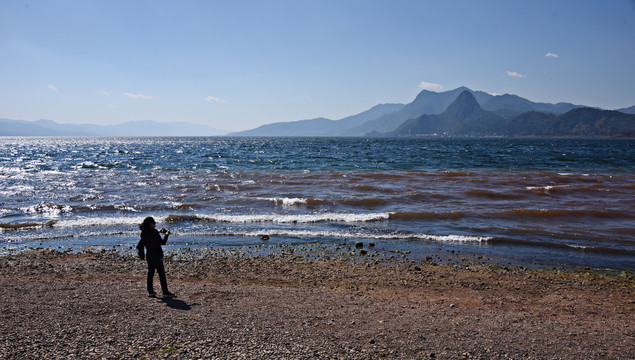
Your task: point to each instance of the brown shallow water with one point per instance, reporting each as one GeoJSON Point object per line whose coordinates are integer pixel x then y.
{"type": "Point", "coordinates": [297, 304]}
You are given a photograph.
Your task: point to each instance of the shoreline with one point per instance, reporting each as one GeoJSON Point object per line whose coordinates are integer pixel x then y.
{"type": "Point", "coordinates": [301, 302]}
{"type": "Point", "coordinates": [375, 251]}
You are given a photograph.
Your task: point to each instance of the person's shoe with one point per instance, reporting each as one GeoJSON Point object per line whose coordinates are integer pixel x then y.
{"type": "Point", "coordinates": [168, 295]}
{"type": "Point", "coordinates": [152, 294]}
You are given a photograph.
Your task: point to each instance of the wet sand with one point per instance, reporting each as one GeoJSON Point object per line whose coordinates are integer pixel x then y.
{"type": "Point", "coordinates": [300, 303]}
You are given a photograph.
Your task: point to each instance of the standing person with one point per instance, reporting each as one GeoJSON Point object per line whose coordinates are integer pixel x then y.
{"type": "Point", "coordinates": [152, 241]}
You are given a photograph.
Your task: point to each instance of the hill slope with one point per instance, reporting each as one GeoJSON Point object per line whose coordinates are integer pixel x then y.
{"type": "Point", "coordinates": [385, 118]}
{"type": "Point", "coordinates": [462, 117]}
{"type": "Point", "coordinates": [430, 102]}
{"type": "Point", "coordinates": [629, 110]}
{"type": "Point", "coordinates": [466, 117]}
{"type": "Point", "coordinates": [320, 126]}
{"type": "Point", "coordinates": [583, 122]}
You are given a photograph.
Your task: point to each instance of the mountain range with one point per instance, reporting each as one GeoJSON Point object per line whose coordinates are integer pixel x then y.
{"type": "Point", "coordinates": [133, 128]}
{"type": "Point", "coordinates": [464, 112]}
{"type": "Point", "coordinates": [458, 112]}
{"type": "Point", "coordinates": [630, 110]}
{"type": "Point", "coordinates": [465, 117]}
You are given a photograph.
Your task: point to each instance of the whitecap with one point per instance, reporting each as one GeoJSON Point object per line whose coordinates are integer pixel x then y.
{"type": "Point", "coordinates": [126, 208]}
{"type": "Point", "coordinates": [48, 209]}
{"type": "Point", "coordinates": [302, 218]}
{"type": "Point", "coordinates": [286, 201]}
{"type": "Point", "coordinates": [542, 188]}
{"type": "Point", "coordinates": [102, 221]}
{"type": "Point", "coordinates": [346, 235]}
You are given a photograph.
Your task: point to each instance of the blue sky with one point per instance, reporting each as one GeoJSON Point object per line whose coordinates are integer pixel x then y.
{"type": "Point", "coordinates": [238, 64]}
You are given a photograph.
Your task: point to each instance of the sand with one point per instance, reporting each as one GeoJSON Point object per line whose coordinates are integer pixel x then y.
{"type": "Point", "coordinates": [307, 303]}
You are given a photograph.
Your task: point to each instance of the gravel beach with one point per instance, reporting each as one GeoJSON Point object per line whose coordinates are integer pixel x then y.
{"type": "Point", "coordinates": [299, 303]}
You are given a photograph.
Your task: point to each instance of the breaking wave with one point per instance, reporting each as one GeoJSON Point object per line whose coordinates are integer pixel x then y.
{"type": "Point", "coordinates": [284, 201]}
{"type": "Point", "coordinates": [345, 235]}
{"type": "Point", "coordinates": [281, 218]}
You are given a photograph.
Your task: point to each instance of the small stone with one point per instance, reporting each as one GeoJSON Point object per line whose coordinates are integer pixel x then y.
{"type": "Point", "coordinates": [359, 244]}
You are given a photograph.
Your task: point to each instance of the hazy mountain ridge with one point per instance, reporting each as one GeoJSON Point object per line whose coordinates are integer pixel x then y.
{"type": "Point", "coordinates": [320, 126]}
{"type": "Point", "coordinates": [499, 108]}
{"type": "Point", "coordinates": [465, 117]}
{"type": "Point", "coordinates": [426, 102]}
{"type": "Point", "coordinates": [451, 112]}
{"type": "Point", "coordinates": [629, 110]}
{"type": "Point", "coordinates": [431, 103]}
{"type": "Point", "coordinates": [582, 122]}
{"type": "Point", "coordinates": [134, 128]}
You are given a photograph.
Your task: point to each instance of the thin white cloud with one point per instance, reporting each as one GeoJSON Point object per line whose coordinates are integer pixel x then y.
{"type": "Point", "coordinates": [515, 74]}
{"type": "Point", "coordinates": [137, 96]}
{"type": "Point", "coordinates": [112, 106]}
{"type": "Point", "coordinates": [424, 85]}
{"type": "Point", "coordinates": [551, 55]}
{"type": "Point", "coordinates": [105, 93]}
{"type": "Point", "coordinates": [215, 99]}
{"type": "Point", "coordinates": [53, 88]}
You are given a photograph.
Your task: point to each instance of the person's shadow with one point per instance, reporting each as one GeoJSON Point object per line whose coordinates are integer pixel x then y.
{"type": "Point", "coordinates": [177, 304]}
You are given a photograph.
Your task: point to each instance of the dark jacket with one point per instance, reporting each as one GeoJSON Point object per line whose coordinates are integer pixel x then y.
{"type": "Point", "coordinates": [151, 240]}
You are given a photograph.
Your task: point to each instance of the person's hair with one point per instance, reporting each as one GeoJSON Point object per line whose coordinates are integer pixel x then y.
{"type": "Point", "coordinates": [145, 225]}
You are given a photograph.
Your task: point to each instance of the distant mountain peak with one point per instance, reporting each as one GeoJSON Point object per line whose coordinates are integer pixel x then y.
{"type": "Point", "coordinates": [464, 105]}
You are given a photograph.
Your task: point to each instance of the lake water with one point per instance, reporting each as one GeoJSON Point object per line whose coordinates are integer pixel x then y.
{"type": "Point", "coordinates": [524, 201]}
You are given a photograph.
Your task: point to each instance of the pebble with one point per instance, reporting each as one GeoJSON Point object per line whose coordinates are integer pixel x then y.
{"type": "Point", "coordinates": [243, 307]}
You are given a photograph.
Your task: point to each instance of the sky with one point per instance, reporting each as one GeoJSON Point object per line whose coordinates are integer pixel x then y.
{"type": "Point", "coordinates": [238, 64]}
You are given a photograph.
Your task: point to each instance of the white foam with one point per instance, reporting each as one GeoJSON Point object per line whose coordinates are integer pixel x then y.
{"type": "Point", "coordinates": [133, 221]}
{"type": "Point", "coordinates": [456, 238]}
{"type": "Point", "coordinates": [546, 188]}
{"type": "Point", "coordinates": [345, 235]}
{"type": "Point", "coordinates": [286, 201]}
{"type": "Point", "coordinates": [578, 246]}
{"type": "Point", "coordinates": [236, 219]}
{"type": "Point", "coordinates": [304, 218]}
{"type": "Point", "coordinates": [21, 238]}
{"type": "Point", "coordinates": [572, 174]}
{"type": "Point", "coordinates": [126, 208]}
{"type": "Point", "coordinates": [16, 189]}
{"type": "Point", "coordinates": [48, 209]}
{"type": "Point", "coordinates": [104, 221]}
{"type": "Point", "coordinates": [14, 170]}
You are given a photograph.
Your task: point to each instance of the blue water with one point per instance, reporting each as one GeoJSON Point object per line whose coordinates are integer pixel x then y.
{"type": "Point", "coordinates": [525, 201]}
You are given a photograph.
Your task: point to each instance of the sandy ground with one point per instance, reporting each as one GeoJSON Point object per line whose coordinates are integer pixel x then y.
{"type": "Point", "coordinates": [303, 304]}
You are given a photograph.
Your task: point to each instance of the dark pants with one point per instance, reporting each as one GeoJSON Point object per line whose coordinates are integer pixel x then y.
{"type": "Point", "coordinates": [156, 264]}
